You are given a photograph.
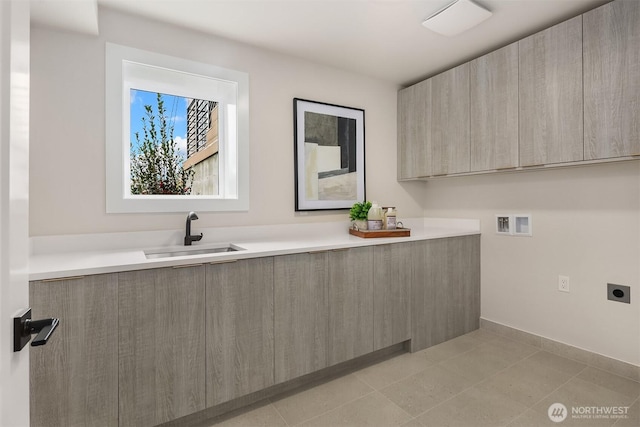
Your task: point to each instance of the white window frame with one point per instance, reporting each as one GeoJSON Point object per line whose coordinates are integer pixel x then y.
{"type": "Point", "coordinates": [128, 68]}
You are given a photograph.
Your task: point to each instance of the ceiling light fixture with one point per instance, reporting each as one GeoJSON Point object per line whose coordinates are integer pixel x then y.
{"type": "Point", "coordinates": [456, 18]}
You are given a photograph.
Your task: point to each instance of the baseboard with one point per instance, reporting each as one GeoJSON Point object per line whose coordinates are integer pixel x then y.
{"type": "Point", "coordinates": [224, 410]}
{"type": "Point", "coordinates": [596, 360]}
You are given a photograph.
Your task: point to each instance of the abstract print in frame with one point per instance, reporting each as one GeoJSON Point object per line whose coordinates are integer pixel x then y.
{"type": "Point", "coordinates": [329, 155]}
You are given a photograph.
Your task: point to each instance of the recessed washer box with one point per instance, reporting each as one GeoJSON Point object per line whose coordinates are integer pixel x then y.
{"type": "Point", "coordinates": [503, 224]}
{"type": "Point", "coordinates": [522, 225]}
{"type": "Point", "coordinates": [514, 224]}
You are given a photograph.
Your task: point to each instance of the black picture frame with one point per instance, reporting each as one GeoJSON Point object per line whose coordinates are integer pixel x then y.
{"type": "Point", "coordinates": [329, 155]}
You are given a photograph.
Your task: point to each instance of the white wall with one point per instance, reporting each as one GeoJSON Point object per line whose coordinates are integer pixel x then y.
{"type": "Point", "coordinates": [67, 157]}
{"type": "Point", "coordinates": [586, 225]}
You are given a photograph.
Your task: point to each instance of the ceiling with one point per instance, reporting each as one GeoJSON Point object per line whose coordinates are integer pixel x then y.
{"type": "Point", "coordinates": [382, 39]}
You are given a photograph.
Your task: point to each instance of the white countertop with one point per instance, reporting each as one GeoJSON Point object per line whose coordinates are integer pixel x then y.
{"type": "Point", "coordinates": [78, 255]}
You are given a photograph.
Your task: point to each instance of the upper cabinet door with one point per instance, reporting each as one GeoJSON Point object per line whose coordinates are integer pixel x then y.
{"type": "Point", "coordinates": [450, 121]}
{"type": "Point", "coordinates": [612, 80]}
{"type": "Point", "coordinates": [494, 109]}
{"type": "Point", "coordinates": [414, 145]}
{"type": "Point", "coordinates": [551, 129]}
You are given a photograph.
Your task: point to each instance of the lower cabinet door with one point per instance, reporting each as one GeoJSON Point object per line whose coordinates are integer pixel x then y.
{"type": "Point", "coordinates": [446, 289]}
{"type": "Point", "coordinates": [74, 377]}
{"type": "Point", "coordinates": [429, 309]}
{"type": "Point", "coordinates": [301, 314]}
{"type": "Point", "coordinates": [239, 328]}
{"type": "Point", "coordinates": [162, 344]}
{"type": "Point", "coordinates": [350, 304]}
{"type": "Point", "coordinates": [464, 279]}
{"type": "Point", "coordinates": [391, 294]}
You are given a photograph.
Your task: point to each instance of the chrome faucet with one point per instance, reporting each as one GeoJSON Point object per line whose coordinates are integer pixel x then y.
{"type": "Point", "coordinates": [188, 238]}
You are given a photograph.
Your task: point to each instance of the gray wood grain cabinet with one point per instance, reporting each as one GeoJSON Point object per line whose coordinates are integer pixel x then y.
{"type": "Point", "coordinates": [430, 293]}
{"type": "Point", "coordinates": [392, 277]}
{"type": "Point", "coordinates": [74, 378]}
{"type": "Point", "coordinates": [494, 109]}
{"type": "Point", "coordinates": [350, 304]}
{"type": "Point", "coordinates": [161, 344]}
{"type": "Point", "coordinates": [301, 314]}
{"type": "Point", "coordinates": [414, 138]}
{"type": "Point", "coordinates": [446, 289]}
{"type": "Point", "coordinates": [463, 277]}
{"type": "Point", "coordinates": [576, 100]}
{"type": "Point", "coordinates": [147, 347]}
{"type": "Point", "coordinates": [551, 102]}
{"type": "Point", "coordinates": [449, 127]}
{"type": "Point", "coordinates": [612, 80]}
{"type": "Point", "coordinates": [239, 328]}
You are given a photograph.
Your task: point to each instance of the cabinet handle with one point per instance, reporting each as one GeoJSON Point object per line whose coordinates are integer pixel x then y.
{"type": "Point", "coordinates": [223, 261]}
{"type": "Point", "coordinates": [187, 266]}
{"type": "Point", "coordinates": [340, 249]}
{"type": "Point", "coordinates": [317, 252]}
{"type": "Point", "coordinates": [60, 279]}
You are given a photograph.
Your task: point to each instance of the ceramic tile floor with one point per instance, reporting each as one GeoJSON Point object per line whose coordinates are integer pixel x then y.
{"type": "Point", "coordinates": [479, 379]}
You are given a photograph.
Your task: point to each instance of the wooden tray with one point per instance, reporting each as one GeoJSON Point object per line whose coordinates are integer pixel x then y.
{"type": "Point", "coordinates": [366, 234]}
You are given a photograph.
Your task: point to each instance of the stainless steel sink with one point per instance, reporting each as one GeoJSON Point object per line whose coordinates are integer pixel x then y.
{"type": "Point", "coordinates": [189, 252]}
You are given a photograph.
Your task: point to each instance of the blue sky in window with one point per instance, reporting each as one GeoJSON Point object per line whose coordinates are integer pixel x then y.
{"type": "Point", "coordinates": [176, 112]}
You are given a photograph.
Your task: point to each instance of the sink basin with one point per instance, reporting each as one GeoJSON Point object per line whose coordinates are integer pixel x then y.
{"type": "Point", "coordinates": [191, 251]}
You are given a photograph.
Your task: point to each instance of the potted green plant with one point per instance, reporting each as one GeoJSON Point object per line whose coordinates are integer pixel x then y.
{"type": "Point", "coordinates": [358, 214]}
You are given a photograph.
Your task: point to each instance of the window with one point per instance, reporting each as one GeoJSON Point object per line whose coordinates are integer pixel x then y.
{"type": "Point", "coordinates": [177, 134]}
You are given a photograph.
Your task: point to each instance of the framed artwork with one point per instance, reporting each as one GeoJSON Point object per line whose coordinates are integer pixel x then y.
{"type": "Point", "coordinates": [329, 155]}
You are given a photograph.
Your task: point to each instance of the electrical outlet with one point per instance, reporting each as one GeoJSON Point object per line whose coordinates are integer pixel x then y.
{"type": "Point", "coordinates": [619, 293]}
{"type": "Point", "coordinates": [563, 283]}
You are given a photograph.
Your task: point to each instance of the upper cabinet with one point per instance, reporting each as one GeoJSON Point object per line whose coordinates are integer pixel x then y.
{"type": "Point", "coordinates": [449, 127]}
{"type": "Point", "coordinates": [567, 95]}
{"type": "Point", "coordinates": [433, 126]}
{"type": "Point", "coordinates": [612, 80]}
{"type": "Point", "coordinates": [414, 143]}
{"type": "Point", "coordinates": [494, 109]}
{"type": "Point", "coordinates": [551, 95]}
